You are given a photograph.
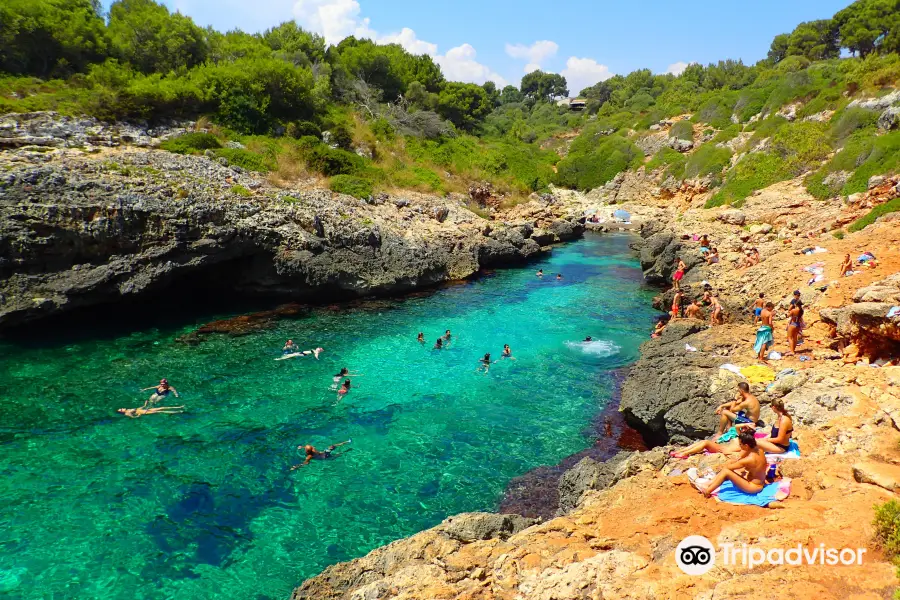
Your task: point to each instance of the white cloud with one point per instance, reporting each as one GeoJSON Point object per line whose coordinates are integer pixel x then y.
{"type": "Point", "coordinates": [459, 64]}
{"type": "Point", "coordinates": [581, 73]}
{"type": "Point", "coordinates": [536, 53]}
{"type": "Point", "coordinates": [337, 19]}
{"type": "Point", "coordinates": [677, 68]}
{"type": "Point", "coordinates": [531, 67]}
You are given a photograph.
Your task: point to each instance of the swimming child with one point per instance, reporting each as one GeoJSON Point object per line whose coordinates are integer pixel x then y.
{"type": "Point", "coordinates": [507, 352]}
{"type": "Point", "coordinates": [421, 338]}
{"type": "Point", "coordinates": [439, 344]}
{"type": "Point", "coordinates": [344, 390]}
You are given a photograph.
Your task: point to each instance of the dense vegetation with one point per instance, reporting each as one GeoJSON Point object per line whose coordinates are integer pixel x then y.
{"type": "Point", "coordinates": [373, 117]}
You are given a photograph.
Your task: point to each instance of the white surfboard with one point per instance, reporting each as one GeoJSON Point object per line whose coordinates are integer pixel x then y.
{"type": "Point", "coordinates": [291, 355]}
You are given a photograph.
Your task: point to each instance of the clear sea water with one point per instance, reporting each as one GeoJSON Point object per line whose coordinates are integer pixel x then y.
{"type": "Point", "coordinates": [203, 504]}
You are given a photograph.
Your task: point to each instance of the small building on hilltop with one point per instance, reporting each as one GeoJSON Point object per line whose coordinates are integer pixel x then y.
{"type": "Point", "coordinates": [573, 103]}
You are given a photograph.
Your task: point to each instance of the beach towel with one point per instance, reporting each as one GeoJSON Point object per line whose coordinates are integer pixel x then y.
{"type": "Point", "coordinates": [733, 368]}
{"type": "Point", "coordinates": [793, 452]}
{"type": "Point", "coordinates": [764, 339]}
{"type": "Point", "coordinates": [727, 436]}
{"type": "Point", "coordinates": [758, 373]}
{"type": "Point", "coordinates": [773, 492]}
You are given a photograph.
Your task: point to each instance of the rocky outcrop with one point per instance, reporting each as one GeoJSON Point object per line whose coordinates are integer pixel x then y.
{"type": "Point", "coordinates": [81, 231]}
{"type": "Point", "coordinates": [659, 253]}
{"type": "Point", "coordinates": [49, 129]}
{"type": "Point", "coordinates": [865, 322]}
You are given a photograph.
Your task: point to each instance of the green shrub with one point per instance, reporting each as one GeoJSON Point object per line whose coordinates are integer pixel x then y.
{"type": "Point", "coordinates": [838, 234]}
{"type": "Point", "coordinates": [383, 129]}
{"type": "Point", "coordinates": [716, 111]}
{"type": "Point", "coordinates": [802, 146]}
{"type": "Point", "coordinates": [707, 160]}
{"type": "Point", "coordinates": [333, 161]}
{"type": "Point", "coordinates": [864, 154]}
{"type": "Point", "coordinates": [350, 185]}
{"type": "Point", "coordinates": [300, 129]}
{"type": "Point", "coordinates": [850, 121]}
{"type": "Point", "coordinates": [341, 136]}
{"type": "Point", "coordinates": [887, 527]}
{"type": "Point", "coordinates": [246, 159]}
{"type": "Point", "coordinates": [241, 191]}
{"type": "Point", "coordinates": [753, 172]}
{"type": "Point", "coordinates": [666, 157]}
{"type": "Point", "coordinates": [417, 178]}
{"type": "Point", "coordinates": [585, 171]}
{"type": "Point", "coordinates": [190, 143]}
{"type": "Point", "coordinates": [751, 102]}
{"type": "Point", "coordinates": [863, 222]}
{"type": "Point", "coordinates": [729, 133]}
{"type": "Point", "coordinates": [682, 130]}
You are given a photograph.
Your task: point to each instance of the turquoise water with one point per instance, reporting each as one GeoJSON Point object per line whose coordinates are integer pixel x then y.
{"type": "Point", "coordinates": [203, 504]}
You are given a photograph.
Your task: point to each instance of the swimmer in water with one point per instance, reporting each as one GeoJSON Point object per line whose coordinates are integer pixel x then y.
{"type": "Point", "coordinates": [315, 352]}
{"type": "Point", "coordinates": [447, 336]}
{"type": "Point", "coordinates": [312, 453]}
{"type": "Point", "coordinates": [421, 338]}
{"type": "Point", "coordinates": [507, 352]}
{"type": "Point", "coordinates": [439, 344]}
{"type": "Point", "coordinates": [161, 391]}
{"type": "Point", "coordinates": [134, 413]}
{"type": "Point", "coordinates": [344, 390]}
{"type": "Point", "coordinates": [588, 339]}
{"type": "Point", "coordinates": [345, 372]}
{"type": "Point", "coordinates": [559, 276]}
{"type": "Point", "coordinates": [485, 363]}
{"type": "Point", "coordinates": [540, 273]}
{"type": "Point", "coordinates": [290, 348]}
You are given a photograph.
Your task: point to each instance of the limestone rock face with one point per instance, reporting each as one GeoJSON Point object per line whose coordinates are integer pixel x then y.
{"type": "Point", "coordinates": [78, 231]}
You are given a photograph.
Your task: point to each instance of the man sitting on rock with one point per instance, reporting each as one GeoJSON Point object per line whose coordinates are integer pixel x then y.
{"type": "Point", "coordinates": [742, 410]}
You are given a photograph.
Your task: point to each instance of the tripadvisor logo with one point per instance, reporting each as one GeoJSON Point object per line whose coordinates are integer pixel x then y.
{"type": "Point", "coordinates": [696, 555]}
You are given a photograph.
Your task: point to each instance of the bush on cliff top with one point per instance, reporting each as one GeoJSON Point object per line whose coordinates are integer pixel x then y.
{"type": "Point", "coordinates": [887, 527]}
{"type": "Point", "coordinates": [350, 185]}
{"type": "Point", "coordinates": [888, 207]}
{"type": "Point", "coordinates": [682, 130]}
{"type": "Point", "coordinates": [191, 143]}
{"type": "Point", "coordinates": [586, 171]}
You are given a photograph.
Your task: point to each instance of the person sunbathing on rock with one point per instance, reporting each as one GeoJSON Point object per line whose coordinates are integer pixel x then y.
{"type": "Point", "coordinates": [742, 410]}
{"type": "Point", "coordinates": [846, 266]}
{"type": "Point", "coordinates": [747, 473]}
{"type": "Point", "coordinates": [778, 441]}
{"type": "Point", "coordinates": [134, 413]}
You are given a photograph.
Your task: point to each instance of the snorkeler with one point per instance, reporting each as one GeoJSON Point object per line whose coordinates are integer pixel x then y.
{"type": "Point", "coordinates": [439, 344]}
{"type": "Point", "coordinates": [421, 338]}
{"type": "Point", "coordinates": [161, 391]}
{"type": "Point", "coordinates": [312, 453]}
{"type": "Point", "coordinates": [290, 348]}
{"type": "Point", "coordinates": [134, 413]}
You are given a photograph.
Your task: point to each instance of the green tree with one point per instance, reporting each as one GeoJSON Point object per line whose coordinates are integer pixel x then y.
{"type": "Point", "coordinates": [540, 86]}
{"type": "Point", "coordinates": [490, 88]}
{"type": "Point", "coordinates": [51, 37]}
{"type": "Point", "coordinates": [234, 45]}
{"type": "Point", "coordinates": [464, 104]}
{"type": "Point", "coordinates": [511, 95]}
{"type": "Point", "coordinates": [154, 40]}
{"type": "Point", "coordinates": [388, 67]}
{"type": "Point", "coordinates": [816, 40]}
{"type": "Point", "coordinates": [779, 48]}
{"type": "Point", "coordinates": [865, 25]}
{"type": "Point", "coordinates": [292, 42]}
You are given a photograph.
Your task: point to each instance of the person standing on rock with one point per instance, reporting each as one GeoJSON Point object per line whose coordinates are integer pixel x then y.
{"type": "Point", "coordinates": [764, 335]}
{"type": "Point", "coordinates": [715, 317]}
{"type": "Point", "coordinates": [677, 308]}
{"type": "Point", "coordinates": [758, 305]}
{"type": "Point", "coordinates": [743, 410]}
{"type": "Point", "coordinates": [795, 324]}
{"type": "Point", "coordinates": [679, 274]}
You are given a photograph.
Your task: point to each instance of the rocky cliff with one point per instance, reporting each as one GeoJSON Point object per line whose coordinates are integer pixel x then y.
{"type": "Point", "coordinates": [81, 228]}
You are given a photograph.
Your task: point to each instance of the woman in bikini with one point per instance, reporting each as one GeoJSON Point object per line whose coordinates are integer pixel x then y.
{"type": "Point", "coordinates": [676, 304]}
{"type": "Point", "coordinates": [344, 389]}
{"type": "Point", "coordinates": [134, 413]}
{"type": "Point", "coordinates": [160, 391]}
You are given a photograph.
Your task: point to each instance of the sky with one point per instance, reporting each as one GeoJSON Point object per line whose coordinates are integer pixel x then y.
{"type": "Point", "coordinates": [501, 40]}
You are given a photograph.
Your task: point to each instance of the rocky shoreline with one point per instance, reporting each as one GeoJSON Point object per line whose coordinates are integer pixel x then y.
{"type": "Point", "coordinates": [618, 519]}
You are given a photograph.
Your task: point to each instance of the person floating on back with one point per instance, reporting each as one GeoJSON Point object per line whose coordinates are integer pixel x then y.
{"type": "Point", "coordinates": [134, 413]}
